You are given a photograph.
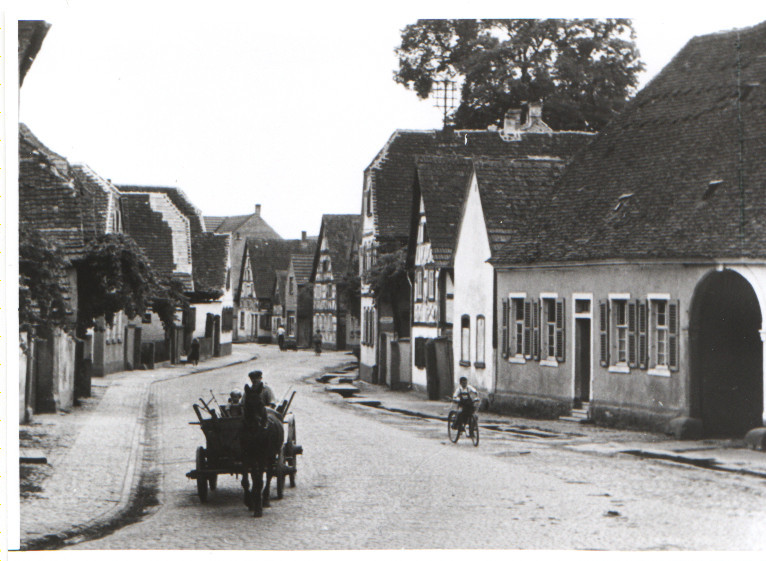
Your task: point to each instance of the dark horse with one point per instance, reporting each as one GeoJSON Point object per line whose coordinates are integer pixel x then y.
{"type": "Point", "coordinates": [261, 440]}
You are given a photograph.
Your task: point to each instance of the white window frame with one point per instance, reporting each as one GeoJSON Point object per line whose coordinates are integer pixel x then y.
{"type": "Point", "coordinates": [546, 358]}
{"type": "Point", "coordinates": [615, 365]}
{"type": "Point", "coordinates": [481, 333]}
{"type": "Point", "coordinates": [517, 358]}
{"type": "Point", "coordinates": [653, 335]}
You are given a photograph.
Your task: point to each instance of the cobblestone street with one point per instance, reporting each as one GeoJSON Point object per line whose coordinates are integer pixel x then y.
{"type": "Point", "coordinates": [371, 479]}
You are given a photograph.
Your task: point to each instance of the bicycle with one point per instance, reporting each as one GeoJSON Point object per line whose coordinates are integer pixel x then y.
{"type": "Point", "coordinates": [472, 429]}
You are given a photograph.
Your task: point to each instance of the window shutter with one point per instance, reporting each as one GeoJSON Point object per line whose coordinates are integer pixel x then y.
{"type": "Point", "coordinates": [528, 329]}
{"type": "Point", "coordinates": [603, 327]}
{"type": "Point", "coordinates": [643, 347]}
{"type": "Point", "coordinates": [536, 329]}
{"type": "Point", "coordinates": [560, 331]}
{"type": "Point", "coordinates": [504, 348]}
{"type": "Point", "coordinates": [632, 350]}
{"type": "Point", "coordinates": [673, 335]}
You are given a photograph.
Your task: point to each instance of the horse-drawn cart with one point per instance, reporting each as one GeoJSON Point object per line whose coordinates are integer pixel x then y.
{"type": "Point", "coordinates": [223, 454]}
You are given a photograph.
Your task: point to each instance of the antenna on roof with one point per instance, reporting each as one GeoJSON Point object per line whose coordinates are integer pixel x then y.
{"type": "Point", "coordinates": [444, 93]}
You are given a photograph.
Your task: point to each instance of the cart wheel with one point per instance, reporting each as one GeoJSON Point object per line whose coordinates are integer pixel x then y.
{"type": "Point", "coordinates": [473, 430]}
{"type": "Point", "coordinates": [212, 481]}
{"type": "Point", "coordinates": [281, 473]}
{"type": "Point", "coordinates": [201, 479]}
{"type": "Point", "coordinates": [454, 434]}
{"type": "Point", "coordinates": [292, 462]}
{"type": "Point", "coordinates": [292, 458]}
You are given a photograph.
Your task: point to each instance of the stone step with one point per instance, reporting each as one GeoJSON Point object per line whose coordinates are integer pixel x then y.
{"type": "Point", "coordinates": [346, 390]}
{"type": "Point", "coordinates": [364, 401]}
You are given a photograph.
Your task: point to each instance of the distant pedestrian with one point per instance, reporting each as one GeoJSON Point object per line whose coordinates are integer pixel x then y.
{"type": "Point", "coordinates": [281, 337]}
{"type": "Point", "coordinates": [194, 352]}
{"type": "Point", "coordinates": [317, 340]}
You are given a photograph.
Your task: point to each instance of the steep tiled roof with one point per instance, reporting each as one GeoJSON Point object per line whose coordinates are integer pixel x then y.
{"type": "Point", "coordinates": [150, 231]}
{"type": "Point", "coordinates": [48, 200]}
{"type": "Point", "coordinates": [302, 265]}
{"type": "Point", "coordinates": [342, 234]}
{"type": "Point", "coordinates": [209, 261]}
{"type": "Point", "coordinates": [511, 192]}
{"type": "Point", "coordinates": [269, 256]}
{"type": "Point", "coordinates": [393, 169]}
{"type": "Point", "coordinates": [442, 183]}
{"type": "Point", "coordinates": [180, 200]}
{"type": "Point", "coordinates": [31, 36]}
{"type": "Point", "coordinates": [664, 179]}
{"type": "Point", "coordinates": [97, 197]}
{"type": "Point", "coordinates": [255, 225]}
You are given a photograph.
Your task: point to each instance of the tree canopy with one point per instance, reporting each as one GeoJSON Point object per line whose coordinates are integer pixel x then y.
{"type": "Point", "coordinates": [115, 275]}
{"type": "Point", "coordinates": [583, 70]}
{"type": "Point", "coordinates": [43, 284]}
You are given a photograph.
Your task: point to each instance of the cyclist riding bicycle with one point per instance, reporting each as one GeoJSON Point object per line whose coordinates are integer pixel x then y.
{"type": "Point", "coordinates": [467, 399]}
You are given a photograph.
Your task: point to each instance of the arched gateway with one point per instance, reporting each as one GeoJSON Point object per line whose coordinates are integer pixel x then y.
{"type": "Point", "coordinates": [726, 352]}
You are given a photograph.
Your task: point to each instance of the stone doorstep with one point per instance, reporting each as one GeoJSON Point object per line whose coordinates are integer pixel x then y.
{"type": "Point", "coordinates": [346, 390]}
{"type": "Point", "coordinates": [32, 456]}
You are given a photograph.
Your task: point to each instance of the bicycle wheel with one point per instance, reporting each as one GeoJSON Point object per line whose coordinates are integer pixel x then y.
{"type": "Point", "coordinates": [453, 433]}
{"type": "Point", "coordinates": [473, 430]}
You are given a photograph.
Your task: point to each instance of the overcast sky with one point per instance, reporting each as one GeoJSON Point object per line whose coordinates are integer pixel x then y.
{"type": "Point", "coordinates": [282, 106]}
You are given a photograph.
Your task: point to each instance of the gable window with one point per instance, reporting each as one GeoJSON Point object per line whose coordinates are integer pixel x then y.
{"type": "Point", "coordinates": [480, 342]}
{"type": "Point", "coordinates": [368, 201]}
{"type": "Point", "coordinates": [431, 286]}
{"type": "Point", "coordinates": [465, 341]}
{"type": "Point", "coordinates": [290, 285]}
{"type": "Point", "coordinates": [421, 230]}
{"type": "Point", "coordinates": [419, 285]}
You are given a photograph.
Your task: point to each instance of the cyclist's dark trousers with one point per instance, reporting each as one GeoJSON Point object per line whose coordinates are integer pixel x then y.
{"type": "Point", "coordinates": [466, 410]}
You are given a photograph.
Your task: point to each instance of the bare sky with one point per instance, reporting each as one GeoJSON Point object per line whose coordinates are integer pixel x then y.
{"type": "Point", "coordinates": [283, 106]}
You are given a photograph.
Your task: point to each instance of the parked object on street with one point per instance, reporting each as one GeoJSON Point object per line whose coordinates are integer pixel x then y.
{"type": "Point", "coordinates": [240, 442]}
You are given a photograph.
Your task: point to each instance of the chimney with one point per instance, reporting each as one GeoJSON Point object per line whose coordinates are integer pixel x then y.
{"type": "Point", "coordinates": [303, 235]}
{"type": "Point", "coordinates": [511, 125]}
{"type": "Point", "coordinates": [258, 210]}
{"type": "Point", "coordinates": [535, 116]}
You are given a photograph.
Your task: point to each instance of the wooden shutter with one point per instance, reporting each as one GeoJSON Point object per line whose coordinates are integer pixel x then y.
{"type": "Point", "coordinates": [536, 330]}
{"type": "Point", "coordinates": [504, 347]}
{"type": "Point", "coordinates": [673, 329]}
{"type": "Point", "coordinates": [560, 330]}
{"type": "Point", "coordinates": [603, 328]}
{"type": "Point", "coordinates": [643, 342]}
{"type": "Point", "coordinates": [632, 338]}
{"type": "Point", "coordinates": [528, 320]}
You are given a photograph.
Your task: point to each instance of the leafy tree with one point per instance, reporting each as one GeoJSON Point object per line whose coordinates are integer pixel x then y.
{"type": "Point", "coordinates": [43, 285]}
{"type": "Point", "coordinates": [389, 283]}
{"type": "Point", "coordinates": [583, 70]}
{"type": "Point", "coordinates": [349, 287]}
{"type": "Point", "coordinates": [115, 275]}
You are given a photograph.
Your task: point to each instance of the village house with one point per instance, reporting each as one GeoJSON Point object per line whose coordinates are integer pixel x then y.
{"type": "Point", "coordinates": [203, 268]}
{"type": "Point", "coordinates": [107, 348]}
{"type": "Point", "coordinates": [299, 300]}
{"type": "Point", "coordinates": [278, 308]}
{"type": "Point", "coordinates": [49, 204]}
{"type": "Point", "coordinates": [440, 185]}
{"type": "Point", "coordinates": [240, 228]}
{"type": "Point", "coordinates": [334, 265]}
{"type": "Point", "coordinates": [387, 212]}
{"type": "Point", "coordinates": [261, 260]}
{"type": "Point", "coordinates": [637, 291]}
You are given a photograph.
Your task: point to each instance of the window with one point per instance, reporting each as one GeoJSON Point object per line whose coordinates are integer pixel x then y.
{"type": "Point", "coordinates": [518, 327]}
{"type": "Point", "coordinates": [227, 319]}
{"type": "Point", "coordinates": [663, 352]}
{"type": "Point", "coordinates": [431, 288]}
{"type": "Point", "coordinates": [291, 324]}
{"type": "Point", "coordinates": [660, 317]}
{"type": "Point", "coordinates": [290, 285]}
{"type": "Point", "coordinates": [241, 320]}
{"type": "Point", "coordinates": [146, 318]}
{"type": "Point", "coordinates": [419, 285]}
{"type": "Point", "coordinates": [620, 315]}
{"type": "Point", "coordinates": [549, 310]}
{"type": "Point", "coordinates": [368, 201]}
{"type": "Point", "coordinates": [552, 326]}
{"type": "Point", "coordinates": [325, 265]}
{"type": "Point", "coordinates": [465, 341]}
{"type": "Point", "coordinates": [480, 342]}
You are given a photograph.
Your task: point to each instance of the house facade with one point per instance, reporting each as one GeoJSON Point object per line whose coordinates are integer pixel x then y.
{"type": "Point", "coordinates": [440, 186]}
{"type": "Point", "coordinates": [240, 228]}
{"type": "Point", "coordinates": [299, 300]}
{"type": "Point", "coordinates": [260, 263]}
{"type": "Point", "coordinates": [641, 298]}
{"type": "Point", "coordinates": [387, 210]}
{"type": "Point", "coordinates": [334, 261]}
